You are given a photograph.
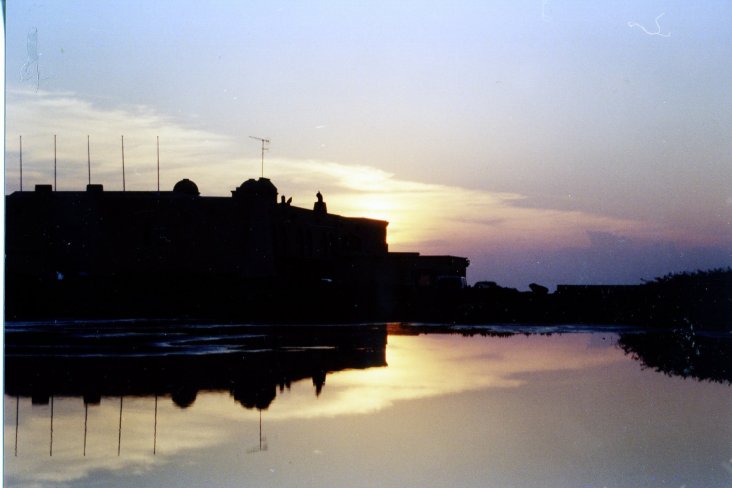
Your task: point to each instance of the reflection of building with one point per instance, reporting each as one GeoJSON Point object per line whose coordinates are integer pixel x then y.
{"type": "Point", "coordinates": [176, 361]}
{"type": "Point", "coordinates": [252, 375]}
{"type": "Point", "coordinates": [251, 362]}
{"type": "Point", "coordinates": [119, 253]}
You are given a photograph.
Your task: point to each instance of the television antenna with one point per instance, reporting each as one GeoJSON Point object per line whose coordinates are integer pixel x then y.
{"type": "Point", "coordinates": [264, 148]}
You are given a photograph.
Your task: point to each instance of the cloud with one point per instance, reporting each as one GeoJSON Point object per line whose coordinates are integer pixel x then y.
{"type": "Point", "coordinates": [417, 211]}
{"type": "Point", "coordinates": [608, 259]}
{"type": "Point", "coordinates": [38, 116]}
{"type": "Point", "coordinates": [430, 214]}
{"type": "Point", "coordinates": [499, 231]}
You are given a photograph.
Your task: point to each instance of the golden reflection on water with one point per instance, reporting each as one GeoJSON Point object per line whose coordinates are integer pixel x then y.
{"type": "Point", "coordinates": [548, 408]}
{"type": "Point", "coordinates": [451, 364]}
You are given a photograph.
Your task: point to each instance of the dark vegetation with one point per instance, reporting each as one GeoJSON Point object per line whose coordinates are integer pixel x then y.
{"type": "Point", "coordinates": [702, 299]}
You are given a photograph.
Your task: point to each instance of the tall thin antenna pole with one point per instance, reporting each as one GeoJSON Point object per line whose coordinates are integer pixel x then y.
{"type": "Point", "coordinates": [21, 163]}
{"type": "Point", "coordinates": [158, 143]}
{"type": "Point", "coordinates": [123, 163]}
{"type": "Point", "coordinates": [88, 158]}
{"type": "Point", "coordinates": [264, 141]}
{"type": "Point", "coordinates": [55, 188]}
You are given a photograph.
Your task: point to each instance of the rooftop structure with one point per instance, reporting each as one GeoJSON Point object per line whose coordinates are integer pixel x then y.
{"type": "Point", "coordinates": [103, 253]}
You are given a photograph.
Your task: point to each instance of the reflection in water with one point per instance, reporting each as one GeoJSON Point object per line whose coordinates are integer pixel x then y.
{"type": "Point", "coordinates": [677, 352]}
{"type": "Point", "coordinates": [682, 353]}
{"type": "Point", "coordinates": [250, 366]}
{"type": "Point", "coordinates": [449, 410]}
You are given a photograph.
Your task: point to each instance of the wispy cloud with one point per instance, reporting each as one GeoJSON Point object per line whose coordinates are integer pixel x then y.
{"type": "Point", "coordinates": [38, 116]}
{"type": "Point", "coordinates": [426, 217]}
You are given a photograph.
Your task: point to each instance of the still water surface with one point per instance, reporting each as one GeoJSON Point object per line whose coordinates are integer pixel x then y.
{"type": "Point", "coordinates": [421, 410]}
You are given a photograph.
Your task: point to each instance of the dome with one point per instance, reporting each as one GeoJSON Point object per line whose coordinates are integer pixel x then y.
{"type": "Point", "coordinates": [262, 185]}
{"type": "Point", "coordinates": [186, 187]}
{"type": "Point", "coordinates": [248, 185]}
{"type": "Point", "coordinates": [259, 190]}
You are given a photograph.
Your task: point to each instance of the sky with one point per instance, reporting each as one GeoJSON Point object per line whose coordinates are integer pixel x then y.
{"type": "Point", "coordinates": [548, 141]}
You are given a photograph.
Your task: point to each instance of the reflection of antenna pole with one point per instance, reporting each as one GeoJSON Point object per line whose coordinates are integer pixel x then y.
{"type": "Point", "coordinates": [50, 449]}
{"type": "Point", "coordinates": [264, 141]}
{"type": "Point", "coordinates": [119, 434]}
{"type": "Point", "coordinates": [17, 416]}
{"type": "Point", "coordinates": [123, 163]}
{"type": "Point", "coordinates": [21, 163]}
{"type": "Point", "coordinates": [262, 439]}
{"type": "Point", "coordinates": [155, 428]}
{"type": "Point", "coordinates": [86, 416]}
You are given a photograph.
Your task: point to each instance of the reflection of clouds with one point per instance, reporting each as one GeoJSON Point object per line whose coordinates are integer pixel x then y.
{"type": "Point", "coordinates": [204, 425]}
{"type": "Point", "coordinates": [446, 365]}
{"type": "Point", "coordinates": [419, 367]}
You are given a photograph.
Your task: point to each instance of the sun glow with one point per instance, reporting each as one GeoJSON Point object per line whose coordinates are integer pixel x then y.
{"type": "Point", "coordinates": [430, 218]}
{"type": "Point", "coordinates": [435, 369]}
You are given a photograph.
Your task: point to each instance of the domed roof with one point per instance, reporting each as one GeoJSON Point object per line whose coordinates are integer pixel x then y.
{"type": "Point", "coordinates": [186, 187]}
{"type": "Point", "coordinates": [249, 184]}
{"type": "Point", "coordinates": [261, 185]}
{"type": "Point", "coordinates": [261, 189]}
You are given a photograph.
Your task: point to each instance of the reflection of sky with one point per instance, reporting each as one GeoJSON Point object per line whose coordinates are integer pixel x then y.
{"type": "Point", "coordinates": [567, 410]}
{"type": "Point", "coordinates": [518, 129]}
{"type": "Point", "coordinates": [447, 365]}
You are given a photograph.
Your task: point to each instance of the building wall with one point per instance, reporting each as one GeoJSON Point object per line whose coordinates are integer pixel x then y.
{"type": "Point", "coordinates": [158, 251]}
{"type": "Point", "coordinates": [105, 233]}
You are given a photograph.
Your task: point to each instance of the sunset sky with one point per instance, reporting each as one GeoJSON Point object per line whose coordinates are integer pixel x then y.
{"type": "Point", "coordinates": [549, 141]}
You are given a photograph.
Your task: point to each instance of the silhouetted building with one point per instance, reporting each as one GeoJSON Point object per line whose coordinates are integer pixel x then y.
{"type": "Point", "coordinates": [119, 253]}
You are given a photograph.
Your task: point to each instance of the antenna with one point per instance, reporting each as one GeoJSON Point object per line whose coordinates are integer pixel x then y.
{"type": "Point", "coordinates": [123, 163]}
{"type": "Point", "coordinates": [88, 158]}
{"type": "Point", "coordinates": [158, 145]}
{"type": "Point", "coordinates": [264, 141]}
{"type": "Point", "coordinates": [55, 188]}
{"type": "Point", "coordinates": [21, 163]}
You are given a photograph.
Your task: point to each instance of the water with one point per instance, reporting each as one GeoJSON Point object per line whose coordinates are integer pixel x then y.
{"type": "Point", "coordinates": [373, 406]}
